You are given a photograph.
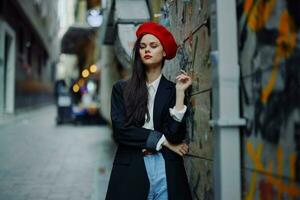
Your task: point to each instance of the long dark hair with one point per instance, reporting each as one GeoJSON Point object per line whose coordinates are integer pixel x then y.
{"type": "Point", "coordinates": [135, 91]}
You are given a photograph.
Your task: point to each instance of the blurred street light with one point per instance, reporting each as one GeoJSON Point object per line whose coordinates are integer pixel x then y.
{"type": "Point", "coordinates": [75, 87]}
{"type": "Point", "coordinates": [85, 73]}
{"type": "Point", "coordinates": [94, 18]}
{"type": "Point", "coordinates": [93, 68]}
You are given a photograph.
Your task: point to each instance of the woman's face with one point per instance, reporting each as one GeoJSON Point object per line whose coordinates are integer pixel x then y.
{"type": "Point", "coordinates": [151, 50]}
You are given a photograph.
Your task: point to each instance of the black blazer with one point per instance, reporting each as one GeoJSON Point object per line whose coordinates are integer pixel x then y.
{"type": "Point", "coordinates": [128, 179]}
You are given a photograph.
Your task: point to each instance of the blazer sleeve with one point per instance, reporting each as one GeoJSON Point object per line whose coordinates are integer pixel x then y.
{"type": "Point", "coordinates": [175, 131]}
{"type": "Point", "coordinates": [129, 135]}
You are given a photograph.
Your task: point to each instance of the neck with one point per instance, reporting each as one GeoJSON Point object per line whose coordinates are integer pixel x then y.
{"type": "Point", "coordinates": [153, 73]}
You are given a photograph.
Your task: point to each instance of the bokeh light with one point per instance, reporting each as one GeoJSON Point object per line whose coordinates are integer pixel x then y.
{"type": "Point", "coordinates": [85, 73]}
{"type": "Point", "coordinates": [75, 88]}
{"type": "Point", "coordinates": [93, 68]}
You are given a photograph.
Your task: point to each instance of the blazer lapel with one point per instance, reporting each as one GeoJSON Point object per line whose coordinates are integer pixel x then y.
{"type": "Point", "coordinates": [162, 94]}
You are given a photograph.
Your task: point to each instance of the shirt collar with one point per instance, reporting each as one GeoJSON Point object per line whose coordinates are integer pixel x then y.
{"type": "Point", "coordinates": [155, 83]}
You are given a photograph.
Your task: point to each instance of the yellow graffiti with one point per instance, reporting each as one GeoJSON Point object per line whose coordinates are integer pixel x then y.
{"type": "Point", "coordinates": [281, 187]}
{"type": "Point", "coordinates": [286, 43]}
{"type": "Point", "coordinates": [251, 192]}
{"type": "Point", "coordinates": [258, 13]}
{"type": "Point", "coordinates": [253, 155]}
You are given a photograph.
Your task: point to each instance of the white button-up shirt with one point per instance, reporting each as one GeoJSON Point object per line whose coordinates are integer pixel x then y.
{"type": "Point", "coordinates": [177, 115]}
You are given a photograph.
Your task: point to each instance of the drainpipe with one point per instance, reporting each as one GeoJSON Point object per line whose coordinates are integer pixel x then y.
{"type": "Point", "coordinates": [225, 105]}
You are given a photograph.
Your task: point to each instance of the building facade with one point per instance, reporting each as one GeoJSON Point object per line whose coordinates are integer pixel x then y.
{"type": "Point", "coordinates": [29, 50]}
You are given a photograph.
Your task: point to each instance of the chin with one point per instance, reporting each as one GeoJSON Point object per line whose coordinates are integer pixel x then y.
{"type": "Point", "coordinates": [148, 62]}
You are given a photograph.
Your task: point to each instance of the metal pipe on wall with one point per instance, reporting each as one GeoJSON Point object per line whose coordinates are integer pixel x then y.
{"type": "Point", "coordinates": [225, 108]}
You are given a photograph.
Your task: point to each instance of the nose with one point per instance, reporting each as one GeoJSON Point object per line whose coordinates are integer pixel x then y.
{"type": "Point", "coordinates": [147, 50]}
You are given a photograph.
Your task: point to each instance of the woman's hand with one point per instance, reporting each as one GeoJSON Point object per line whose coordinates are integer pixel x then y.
{"type": "Point", "coordinates": [183, 81]}
{"type": "Point", "coordinates": [181, 149]}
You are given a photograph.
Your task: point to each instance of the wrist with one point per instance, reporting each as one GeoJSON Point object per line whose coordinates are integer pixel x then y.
{"type": "Point", "coordinates": [179, 101]}
{"type": "Point", "coordinates": [165, 143]}
{"type": "Point", "coordinates": [179, 92]}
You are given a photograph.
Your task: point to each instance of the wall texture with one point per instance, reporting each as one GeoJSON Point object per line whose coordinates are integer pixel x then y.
{"type": "Point", "coordinates": [187, 20]}
{"type": "Point", "coordinates": [269, 51]}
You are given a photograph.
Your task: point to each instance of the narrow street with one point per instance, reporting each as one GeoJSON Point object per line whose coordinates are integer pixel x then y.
{"type": "Point", "coordinates": [39, 160]}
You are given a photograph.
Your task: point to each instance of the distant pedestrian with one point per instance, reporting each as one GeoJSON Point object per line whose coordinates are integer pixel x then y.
{"type": "Point", "coordinates": [149, 124]}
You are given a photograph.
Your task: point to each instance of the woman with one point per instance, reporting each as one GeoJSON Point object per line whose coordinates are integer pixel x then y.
{"type": "Point", "coordinates": [149, 124]}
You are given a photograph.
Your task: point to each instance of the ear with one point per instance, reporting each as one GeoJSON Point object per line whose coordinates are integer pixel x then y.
{"type": "Point", "coordinates": [164, 54]}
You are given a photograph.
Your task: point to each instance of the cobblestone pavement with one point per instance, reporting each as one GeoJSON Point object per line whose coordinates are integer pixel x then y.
{"type": "Point", "coordinates": [40, 161]}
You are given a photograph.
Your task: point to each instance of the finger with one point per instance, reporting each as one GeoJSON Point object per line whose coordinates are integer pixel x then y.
{"type": "Point", "coordinates": [185, 78]}
{"type": "Point", "coordinates": [180, 75]}
{"type": "Point", "coordinates": [182, 151]}
{"type": "Point", "coordinates": [185, 148]}
{"type": "Point", "coordinates": [189, 80]}
{"type": "Point", "coordinates": [183, 71]}
{"type": "Point", "coordinates": [180, 79]}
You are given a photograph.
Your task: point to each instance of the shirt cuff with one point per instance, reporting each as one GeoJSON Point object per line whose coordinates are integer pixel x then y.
{"type": "Point", "coordinates": [159, 143]}
{"type": "Point", "coordinates": [153, 139]}
{"type": "Point", "coordinates": [177, 114]}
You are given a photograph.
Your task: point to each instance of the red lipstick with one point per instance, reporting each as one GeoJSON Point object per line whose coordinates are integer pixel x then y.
{"type": "Point", "coordinates": [147, 56]}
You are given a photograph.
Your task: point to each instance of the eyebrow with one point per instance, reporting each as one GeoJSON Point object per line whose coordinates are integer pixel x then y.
{"type": "Point", "coordinates": [150, 43]}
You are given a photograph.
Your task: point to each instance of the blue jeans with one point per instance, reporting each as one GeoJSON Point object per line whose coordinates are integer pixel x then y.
{"type": "Point", "coordinates": [156, 170]}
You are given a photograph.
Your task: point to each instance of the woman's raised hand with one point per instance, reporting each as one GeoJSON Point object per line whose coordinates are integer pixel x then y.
{"type": "Point", "coordinates": [183, 81]}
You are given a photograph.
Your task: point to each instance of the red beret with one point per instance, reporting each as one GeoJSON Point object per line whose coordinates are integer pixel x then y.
{"type": "Point", "coordinates": [165, 37]}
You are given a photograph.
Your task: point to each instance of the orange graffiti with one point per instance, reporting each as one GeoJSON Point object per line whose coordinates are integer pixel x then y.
{"type": "Point", "coordinates": [279, 159]}
{"type": "Point", "coordinates": [269, 87]}
{"type": "Point", "coordinates": [281, 187]}
{"type": "Point", "coordinates": [279, 166]}
{"type": "Point", "coordinates": [255, 155]}
{"type": "Point", "coordinates": [247, 6]}
{"type": "Point", "coordinates": [258, 13]}
{"type": "Point", "coordinates": [286, 43]}
{"type": "Point", "coordinates": [293, 159]}
{"type": "Point", "coordinates": [287, 35]}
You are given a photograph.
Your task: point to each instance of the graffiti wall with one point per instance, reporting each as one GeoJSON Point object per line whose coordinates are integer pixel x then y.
{"type": "Point", "coordinates": [269, 56]}
{"type": "Point", "coordinates": [188, 21]}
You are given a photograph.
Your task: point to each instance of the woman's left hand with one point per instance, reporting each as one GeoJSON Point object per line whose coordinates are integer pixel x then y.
{"type": "Point", "coordinates": [181, 149]}
{"type": "Point", "coordinates": [183, 81]}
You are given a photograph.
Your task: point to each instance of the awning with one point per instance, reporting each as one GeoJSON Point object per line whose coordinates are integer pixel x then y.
{"type": "Point", "coordinates": [131, 11]}
{"type": "Point", "coordinates": [128, 14]}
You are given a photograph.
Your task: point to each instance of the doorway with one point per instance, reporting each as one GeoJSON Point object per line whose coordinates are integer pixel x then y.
{"type": "Point", "coordinates": [7, 68]}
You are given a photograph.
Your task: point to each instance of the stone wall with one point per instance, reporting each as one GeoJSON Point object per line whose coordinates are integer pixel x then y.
{"type": "Point", "coordinates": [188, 21]}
